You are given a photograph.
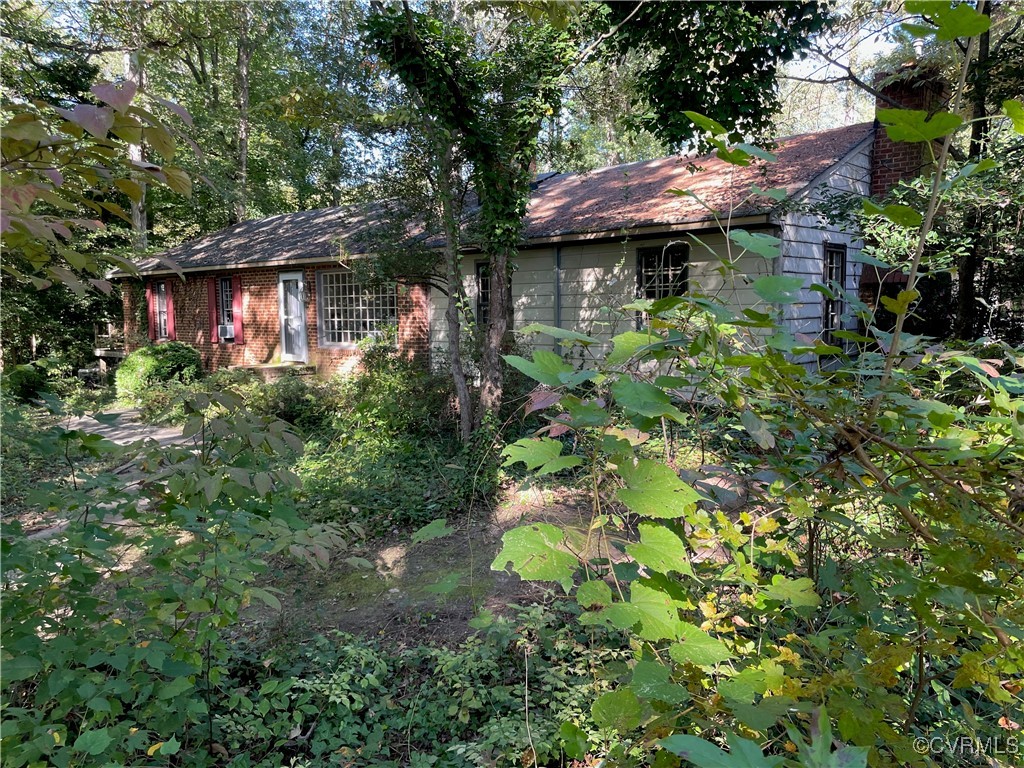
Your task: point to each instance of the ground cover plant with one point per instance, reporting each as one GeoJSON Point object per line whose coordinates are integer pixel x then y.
{"type": "Point", "coordinates": [500, 698]}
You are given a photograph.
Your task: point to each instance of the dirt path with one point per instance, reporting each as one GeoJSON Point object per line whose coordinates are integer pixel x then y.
{"type": "Point", "coordinates": [412, 593]}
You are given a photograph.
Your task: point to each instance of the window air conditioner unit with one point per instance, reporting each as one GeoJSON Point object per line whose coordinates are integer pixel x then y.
{"type": "Point", "coordinates": [226, 332]}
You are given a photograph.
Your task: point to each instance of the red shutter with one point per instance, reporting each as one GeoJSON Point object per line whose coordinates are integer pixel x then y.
{"type": "Point", "coordinates": [236, 308]}
{"type": "Point", "coordinates": [170, 311]}
{"type": "Point", "coordinates": [211, 293]}
{"type": "Point", "coordinates": [150, 311]}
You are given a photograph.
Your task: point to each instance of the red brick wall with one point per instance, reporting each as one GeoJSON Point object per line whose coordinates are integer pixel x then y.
{"type": "Point", "coordinates": [891, 161]}
{"type": "Point", "coordinates": [414, 322]}
{"type": "Point", "coordinates": [261, 325]}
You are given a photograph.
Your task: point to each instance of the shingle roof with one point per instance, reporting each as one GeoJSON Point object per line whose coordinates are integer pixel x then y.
{"type": "Point", "coordinates": [287, 237]}
{"type": "Point", "coordinates": [637, 194]}
{"type": "Point", "coordinates": [608, 200]}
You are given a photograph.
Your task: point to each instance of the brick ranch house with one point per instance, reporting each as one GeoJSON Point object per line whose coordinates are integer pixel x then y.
{"type": "Point", "coordinates": [281, 290]}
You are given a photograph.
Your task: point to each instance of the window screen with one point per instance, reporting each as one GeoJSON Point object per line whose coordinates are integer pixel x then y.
{"type": "Point", "coordinates": [225, 302]}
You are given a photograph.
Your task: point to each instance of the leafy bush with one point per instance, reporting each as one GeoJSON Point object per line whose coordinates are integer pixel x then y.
{"type": "Point", "coordinates": [392, 456]}
{"type": "Point", "coordinates": [156, 364]}
{"type": "Point", "coordinates": [120, 664]}
{"type": "Point", "coordinates": [24, 382]}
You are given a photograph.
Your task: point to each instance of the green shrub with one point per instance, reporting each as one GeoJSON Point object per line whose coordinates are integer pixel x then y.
{"type": "Point", "coordinates": [24, 382]}
{"type": "Point", "coordinates": [157, 363]}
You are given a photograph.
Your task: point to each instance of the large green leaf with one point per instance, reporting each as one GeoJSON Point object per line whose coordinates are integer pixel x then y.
{"type": "Point", "coordinates": [953, 21]}
{"type": "Point", "coordinates": [757, 242]}
{"type": "Point", "coordinates": [591, 593]}
{"type": "Point", "coordinates": [902, 302]}
{"type": "Point", "coordinates": [644, 399]}
{"type": "Point", "coordinates": [710, 125]}
{"type": "Point", "coordinates": [561, 334]}
{"type": "Point", "coordinates": [93, 742]}
{"type": "Point", "coordinates": [652, 610]}
{"type": "Point", "coordinates": [655, 490]}
{"type": "Point", "coordinates": [742, 753]}
{"type": "Point", "coordinates": [764, 714]}
{"type": "Point", "coordinates": [799, 592]}
{"type": "Point", "coordinates": [779, 289]}
{"type": "Point", "coordinates": [536, 554]}
{"type": "Point", "coordinates": [435, 529]}
{"type": "Point", "coordinates": [660, 550]}
{"type": "Point", "coordinates": [903, 215]}
{"type": "Point", "coordinates": [1014, 110]}
{"type": "Point", "coordinates": [758, 429]}
{"type": "Point", "coordinates": [446, 585]}
{"type": "Point", "coordinates": [698, 647]}
{"type": "Point", "coordinates": [651, 680]}
{"type": "Point", "coordinates": [617, 709]}
{"type": "Point", "coordinates": [915, 125]}
{"type": "Point", "coordinates": [625, 345]}
{"type": "Point", "coordinates": [546, 367]}
{"type": "Point", "coordinates": [744, 687]}
{"type": "Point", "coordinates": [696, 750]}
{"type": "Point", "coordinates": [658, 611]}
{"type": "Point", "coordinates": [539, 453]}
{"type": "Point", "coordinates": [19, 668]}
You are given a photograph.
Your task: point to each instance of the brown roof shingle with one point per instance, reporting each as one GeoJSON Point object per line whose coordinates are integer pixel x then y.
{"type": "Point", "coordinates": [637, 195]}
{"type": "Point", "coordinates": [606, 200]}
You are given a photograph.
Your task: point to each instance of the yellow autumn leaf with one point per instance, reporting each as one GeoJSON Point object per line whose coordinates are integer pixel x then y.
{"type": "Point", "coordinates": [152, 750]}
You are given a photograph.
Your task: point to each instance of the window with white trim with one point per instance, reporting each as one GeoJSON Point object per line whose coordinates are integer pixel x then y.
{"type": "Point", "coordinates": [662, 271]}
{"type": "Point", "coordinates": [347, 312]}
{"type": "Point", "coordinates": [835, 280]}
{"type": "Point", "coordinates": [225, 302]}
{"type": "Point", "coordinates": [160, 308]}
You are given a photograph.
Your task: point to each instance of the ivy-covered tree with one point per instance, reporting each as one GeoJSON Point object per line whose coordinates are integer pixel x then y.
{"type": "Point", "coordinates": [490, 79]}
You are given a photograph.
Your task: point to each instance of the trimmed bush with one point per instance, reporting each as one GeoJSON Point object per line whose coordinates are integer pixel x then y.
{"type": "Point", "coordinates": [155, 364]}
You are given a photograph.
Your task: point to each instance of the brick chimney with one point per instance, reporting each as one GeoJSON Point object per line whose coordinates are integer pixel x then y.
{"type": "Point", "coordinates": [912, 87]}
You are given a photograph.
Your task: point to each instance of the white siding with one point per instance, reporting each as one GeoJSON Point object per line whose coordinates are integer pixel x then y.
{"type": "Point", "coordinates": [597, 280]}
{"type": "Point", "coordinates": [804, 236]}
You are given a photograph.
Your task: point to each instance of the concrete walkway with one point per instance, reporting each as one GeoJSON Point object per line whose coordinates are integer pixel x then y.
{"type": "Point", "coordinates": [126, 428]}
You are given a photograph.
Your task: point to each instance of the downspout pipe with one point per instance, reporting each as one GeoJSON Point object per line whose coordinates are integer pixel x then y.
{"type": "Point", "coordinates": [558, 289]}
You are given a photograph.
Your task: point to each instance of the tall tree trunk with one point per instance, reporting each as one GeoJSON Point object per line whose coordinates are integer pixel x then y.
{"type": "Point", "coordinates": [492, 384]}
{"type": "Point", "coordinates": [242, 102]}
{"type": "Point", "coordinates": [966, 324]}
{"type": "Point", "coordinates": [456, 290]}
{"type": "Point", "coordinates": [140, 222]}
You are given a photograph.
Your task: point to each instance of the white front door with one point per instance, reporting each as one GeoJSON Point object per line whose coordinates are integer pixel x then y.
{"type": "Point", "coordinates": [291, 292]}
